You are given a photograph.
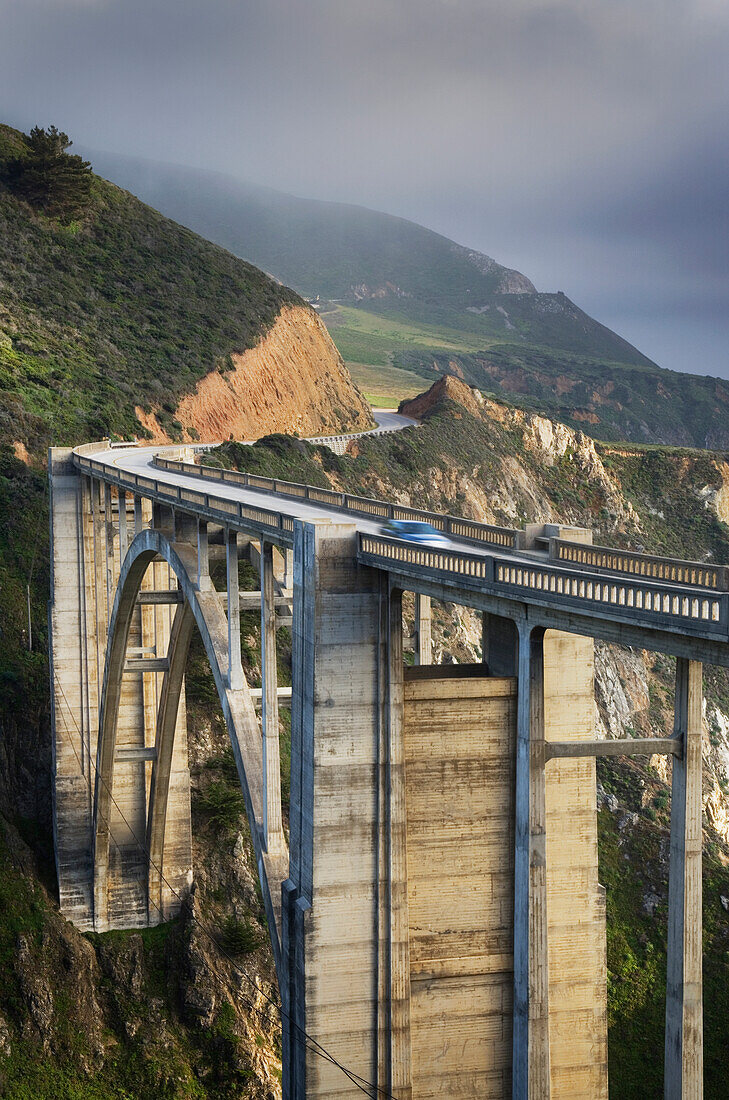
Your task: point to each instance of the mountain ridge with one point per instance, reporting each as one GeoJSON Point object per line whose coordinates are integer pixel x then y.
{"type": "Point", "coordinates": [398, 295]}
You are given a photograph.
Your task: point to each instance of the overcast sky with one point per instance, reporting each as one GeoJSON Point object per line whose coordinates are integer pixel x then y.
{"type": "Point", "coordinates": [585, 143]}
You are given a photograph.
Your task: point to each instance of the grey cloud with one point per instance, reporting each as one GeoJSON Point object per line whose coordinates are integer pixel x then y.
{"type": "Point", "coordinates": [581, 141]}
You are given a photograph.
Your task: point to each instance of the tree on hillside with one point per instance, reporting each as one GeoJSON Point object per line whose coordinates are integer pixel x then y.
{"type": "Point", "coordinates": [47, 177]}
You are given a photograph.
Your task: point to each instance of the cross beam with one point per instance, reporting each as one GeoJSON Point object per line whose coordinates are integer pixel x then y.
{"type": "Point", "coordinates": [623, 746]}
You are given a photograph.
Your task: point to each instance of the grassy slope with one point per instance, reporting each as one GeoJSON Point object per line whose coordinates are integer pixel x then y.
{"type": "Point", "coordinates": [386, 387]}
{"type": "Point", "coordinates": [611, 399]}
{"type": "Point", "coordinates": [122, 308]}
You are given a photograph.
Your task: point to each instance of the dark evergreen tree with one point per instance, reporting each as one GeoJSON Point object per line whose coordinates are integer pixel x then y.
{"type": "Point", "coordinates": [47, 177]}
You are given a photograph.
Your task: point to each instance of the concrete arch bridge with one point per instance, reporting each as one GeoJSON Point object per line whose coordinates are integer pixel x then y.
{"type": "Point", "coordinates": [433, 901]}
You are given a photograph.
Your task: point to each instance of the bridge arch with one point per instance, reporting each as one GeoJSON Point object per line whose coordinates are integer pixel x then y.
{"type": "Point", "coordinates": [200, 607]}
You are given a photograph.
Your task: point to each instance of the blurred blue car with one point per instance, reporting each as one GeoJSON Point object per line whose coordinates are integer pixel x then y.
{"type": "Point", "coordinates": [415, 531]}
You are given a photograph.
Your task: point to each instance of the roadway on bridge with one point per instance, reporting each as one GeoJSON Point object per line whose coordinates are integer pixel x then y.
{"type": "Point", "coordinates": [140, 461]}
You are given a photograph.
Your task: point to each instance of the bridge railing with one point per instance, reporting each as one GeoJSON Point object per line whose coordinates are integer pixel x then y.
{"type": "Point", "coordinates": [671, 570]}
{"type": "Point", "coordinates": [484, 534]}
{"type": "Point", "coordinates": [664, 607]}
{"type": "Point", "coordinates": [217, 508]}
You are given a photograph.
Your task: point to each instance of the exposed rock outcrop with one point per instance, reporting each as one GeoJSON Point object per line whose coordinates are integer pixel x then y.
{"type": "Point", "coordinates": [293, 381]}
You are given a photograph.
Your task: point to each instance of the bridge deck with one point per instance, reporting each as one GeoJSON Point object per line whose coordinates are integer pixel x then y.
{"type": "Point", "coordinates": [619, 595]}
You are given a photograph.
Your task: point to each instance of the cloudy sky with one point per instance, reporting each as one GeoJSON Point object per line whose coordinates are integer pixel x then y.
{"type": "Point", "coordinates": [585, 142]}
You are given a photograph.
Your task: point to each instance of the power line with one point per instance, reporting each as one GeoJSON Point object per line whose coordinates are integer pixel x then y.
{"type": "Point", "coordinates": [302, 1036]}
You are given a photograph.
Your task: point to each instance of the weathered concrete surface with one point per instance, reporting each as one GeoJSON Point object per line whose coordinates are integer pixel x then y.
{"type": "Point", "coordinates": [459, 743]}
{"type": "Point", "coordinates": [86, 559]}
{"type": "Point", "coordinates": [575, 899]}
{"type": "Point", "coordinates": [684, 1065]}
{"type": "Point", "coordinates": [74, 696]}
{"type": "Point", "coordinates": [459, 759]}
{"type": "Point", "coordinates": [331, 933]}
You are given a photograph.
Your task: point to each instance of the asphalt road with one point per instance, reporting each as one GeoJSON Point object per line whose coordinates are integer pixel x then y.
{"type": "Point", "coordinates": [139, 460]}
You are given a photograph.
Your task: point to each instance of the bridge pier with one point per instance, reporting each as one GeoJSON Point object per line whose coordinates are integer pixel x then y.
{"type": "Point", "coordinates": [331, 934]}
{"type": "Point", "coordinates": [423, 633]}
{"type": "Point", "coordinates": [272, 825]}
{"type": "Point", "coordinates": [683, 1065]}
{"type": "Point", "coordinates": [531, 1064]}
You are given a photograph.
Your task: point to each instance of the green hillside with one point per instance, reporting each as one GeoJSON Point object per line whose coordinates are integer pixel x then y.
{"type": "Point", "coordinates": [120, 307]}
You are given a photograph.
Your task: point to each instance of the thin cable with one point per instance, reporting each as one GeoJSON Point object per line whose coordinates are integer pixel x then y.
{"type": "Point", "coordinates": [308, 1041]}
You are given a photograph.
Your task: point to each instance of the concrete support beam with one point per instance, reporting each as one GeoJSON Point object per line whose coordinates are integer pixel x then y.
{"type": "Point", "coordinates": [235, 669]}
{"type": "Point", "coordinates": [203, 555]}
{"type": "Point", "coordinates": [485, 637]}
{"type": "Point", "coordinates": [683, 1072]}
{"type": "Point", "coordinates": [272, 827]}
{"type": "Point", "coordinates": [250, 601]}
{"type": "Point", "coordinates": [331, 939]}
{"type": "Point", "coordinates": [110, 573]}
{"type": "Point", "coordinates": [160, 596]}
{"type": "Point", "coordinates": [185, 527]}
{"type": "Point", "coordinates": [423, 638]}
{"type": "Point", "coordinates": [146, 664]}
{"type": "Point", "coordinates": [123, 527]}
{"type": "Point", "coordinates": [98, 560]}
{"type": "Point", "coordinates": [621, 746]}
{"type": "Point", "coordinates": [131, 754]}
{"type": "Point", "coordinates": [500, 645]}
{"type": "Point", "coordinates": [163, 519]}
{"type": "Point", "coordinates": [138, 515]}
{"type": "Point", "coordinates": [531, 1068]}
{"type": "Point", "coordinates": [395, 1058]}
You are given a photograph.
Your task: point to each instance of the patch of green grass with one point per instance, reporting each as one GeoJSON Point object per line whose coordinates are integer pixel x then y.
{"type": "Point", "coordinates": [222, 804]}
{"type": "Point", "coordinates": [386, 387]}
{"type": "Point", "coordinates": [241, 937]}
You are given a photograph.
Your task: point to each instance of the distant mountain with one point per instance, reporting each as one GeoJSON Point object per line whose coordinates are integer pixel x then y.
{"type": "Point", "coordinates": [331, 249]}
{"type": "Point", "coordinates": [397, 295]}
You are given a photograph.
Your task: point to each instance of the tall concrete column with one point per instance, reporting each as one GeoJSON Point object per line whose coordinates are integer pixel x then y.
{"type": "Point", "coordinates": [138, 514]}
{"type": "Point", "coordinates": [272, 828]}
{"type": "Point", "coordinates": [423, 637]}
{"type": "Point", "coordinates": [531, 1068]}
{"type": "Point", "coordinates": [73, 669]}
{"type": "Point", "coordinates": [683, 1072]}
{"type": "Point", "coordinates": [203, 555]}
{"type": "Point", "coordinates": [394, 1045]}
{"type": "Point", "coordinates": [123, 528]}
{"type": "Point", "coordinates": [110, 572]}
{"type": "Point", "coordinates": [485, 637]}
{"type": "Point", "coordinates": [235, 668]}
{"type": "Point", "coordinates": [331, 939]}
{"type": "Point", "coordinates": [98, 565]}
{"type": "Point", "coordinates": [500, 643]}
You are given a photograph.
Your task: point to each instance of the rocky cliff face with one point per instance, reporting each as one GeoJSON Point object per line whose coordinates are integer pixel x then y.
{"type": "Point", "coordinates": [673, 502]}
{"type": "Point", "coordinates": [292, 381]}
